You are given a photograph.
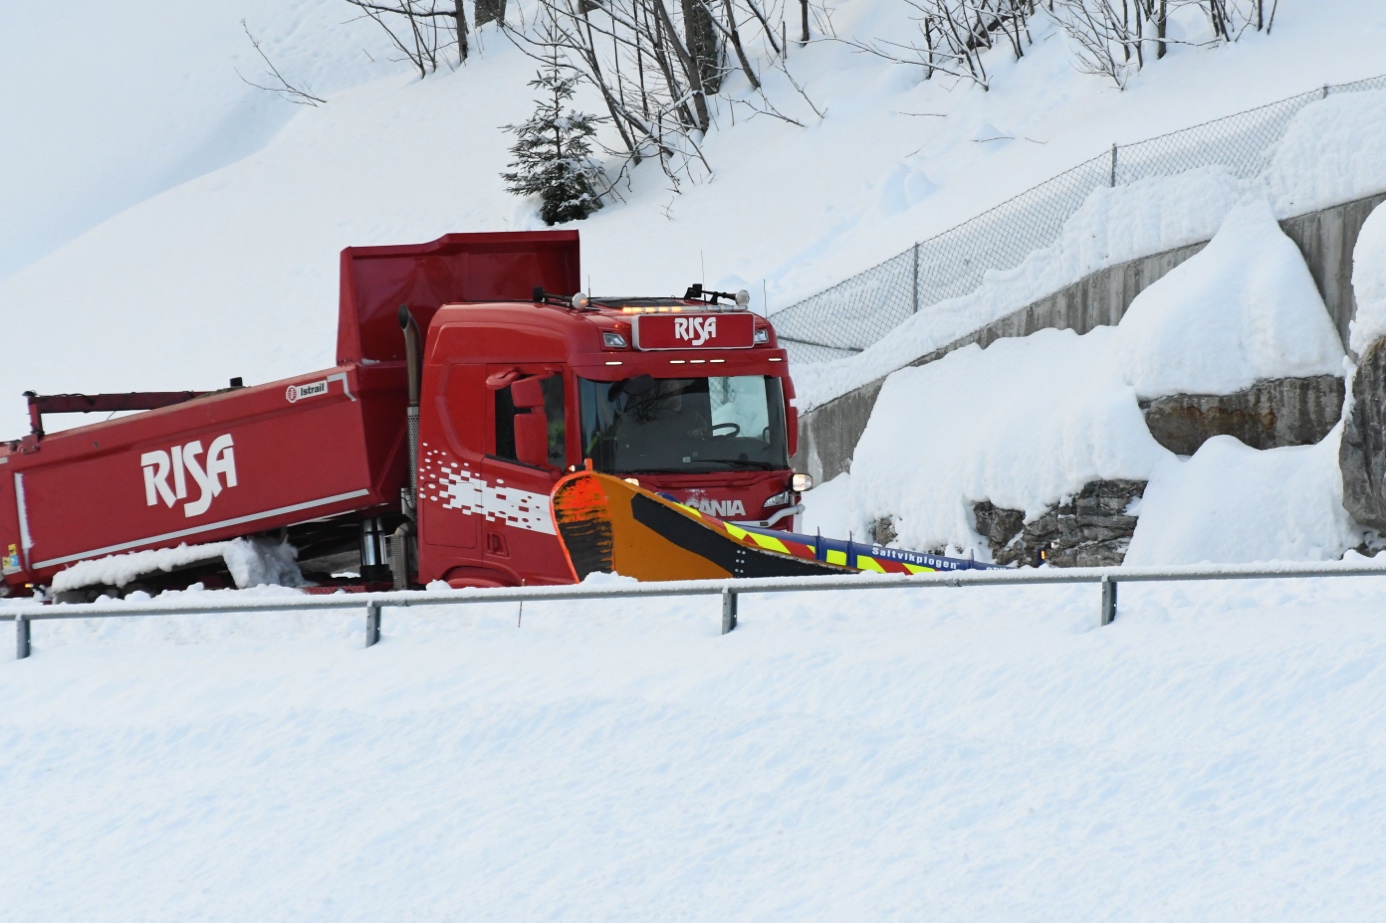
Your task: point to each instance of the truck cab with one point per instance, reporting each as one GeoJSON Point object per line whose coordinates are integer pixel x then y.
{"type": "Point", "coordinates": [687, 396]}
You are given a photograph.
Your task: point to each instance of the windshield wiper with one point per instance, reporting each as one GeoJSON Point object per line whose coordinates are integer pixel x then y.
{"type": "Point", "coordinates": [740, 463]}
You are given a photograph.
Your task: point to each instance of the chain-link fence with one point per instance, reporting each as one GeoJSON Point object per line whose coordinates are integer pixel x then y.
{"type": "Point", "coordinates": [859, 311]}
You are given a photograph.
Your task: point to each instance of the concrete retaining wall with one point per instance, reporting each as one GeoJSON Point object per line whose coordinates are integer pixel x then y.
{"type": "Point", "coordinates": [828, 434]}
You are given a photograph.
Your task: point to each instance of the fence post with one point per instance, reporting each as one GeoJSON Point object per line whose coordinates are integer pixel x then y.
{"type": "Point", "coordinates": [1109, 600]}
{"type": "Point", "coordinates": [21, 637]}
{"type": "Point", "coordinates": [916, 278]}
{"type": "Point", "coordinates": [728, 609]}
{"type": "Point", "coordinates": [1114, 165]}
{"type": "Point", "coordinates": [372, 624]}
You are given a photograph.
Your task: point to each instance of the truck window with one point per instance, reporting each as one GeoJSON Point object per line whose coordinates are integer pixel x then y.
{"type": "Point", "coordinates": [691, 425]}
{"type": "Point", "coordinates": [553, 408]}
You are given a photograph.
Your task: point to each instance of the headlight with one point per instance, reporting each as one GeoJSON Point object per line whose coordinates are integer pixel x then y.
{"type": "Point", "coordinates": [613, 340]}
{"type": "Point", "coordinates": [801, 482]}
{"type": "Point", "coordinates": [780, 499]}
{"type": "Point", "coordinates": [762, 335]}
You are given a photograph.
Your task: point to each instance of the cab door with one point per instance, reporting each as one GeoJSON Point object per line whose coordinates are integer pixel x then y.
{"type": "Point", "coordinates": [451, 507]}
{"type": "Point", "coordinates": [526, 454]}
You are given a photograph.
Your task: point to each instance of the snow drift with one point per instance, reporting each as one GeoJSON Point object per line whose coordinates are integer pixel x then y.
{"type": "Point", "coordinates": [1028, 421]}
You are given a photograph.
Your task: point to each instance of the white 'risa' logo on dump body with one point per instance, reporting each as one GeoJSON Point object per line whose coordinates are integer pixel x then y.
{"type": "Point", "coordinates": [216, 471]}
{"type": "Point", "coordinates": [697, 330]}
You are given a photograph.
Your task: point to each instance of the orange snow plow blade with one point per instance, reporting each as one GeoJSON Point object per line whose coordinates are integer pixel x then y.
{"type": "Point", "coordinates": [608, 525]}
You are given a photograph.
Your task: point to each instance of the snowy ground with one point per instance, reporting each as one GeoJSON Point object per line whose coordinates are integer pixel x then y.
{"type": "Point", "coordinates": [943, 754]}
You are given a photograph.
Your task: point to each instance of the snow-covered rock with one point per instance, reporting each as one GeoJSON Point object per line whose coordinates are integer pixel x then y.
{"type": "Point", "coordinates": [1242, 310]}
{"type": "Point", "coordinates": [1232, 504]}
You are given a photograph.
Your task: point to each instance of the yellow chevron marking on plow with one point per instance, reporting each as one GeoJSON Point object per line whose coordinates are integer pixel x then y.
{"type": "Point", "coordinates": [736, 533]}
{"type": "Point", "coordinates": [837, 557]}
{"type": "Point", "coordinates": [918, 569]}
{"type": "Point", "coordinates": [865, 562]}
{"type": "Point", "coordinates": [766, 541]}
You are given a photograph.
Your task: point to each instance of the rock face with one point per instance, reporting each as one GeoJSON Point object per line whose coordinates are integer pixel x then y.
{"type": "Point", "coordinates": [1362, 456]}
{"type": "Point", "coordinates": [1271, 413]}
{"type": "Point", "coordinates": [1091, 530]}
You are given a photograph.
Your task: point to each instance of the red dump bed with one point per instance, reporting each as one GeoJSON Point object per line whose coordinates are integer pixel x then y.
{"type": "Point", "coordinates": [210, 469]}
{"type": "Point", "coordinates": [259, 458]}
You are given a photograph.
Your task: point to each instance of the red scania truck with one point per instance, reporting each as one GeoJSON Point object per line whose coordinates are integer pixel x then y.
{"type": "Point", "coordinates": [463, 390]}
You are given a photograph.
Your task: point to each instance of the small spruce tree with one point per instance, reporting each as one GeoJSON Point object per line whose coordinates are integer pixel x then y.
{"type": "Point", "coordinates": [553, 152]}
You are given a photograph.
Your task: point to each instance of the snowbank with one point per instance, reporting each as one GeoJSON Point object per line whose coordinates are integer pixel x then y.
{"type": "Point", "coordinates": [117, 570]}
{"type": "Point", "coordinates": [1369, 282]}
{"type": "Point", "coordinates": [1022, 423]}
{"type": "Point", "coordinates": [1245, 308]}
{"type": "Point", "coordinates": [1333, 151]}
{"type": "Point", "coordinates": [252, 561]}
{"type": "Point", "coordinates": [1028, 421]}
{"type": "Point", "coordinates": [827, 508]}
{"type": "Point", "coordinates": [1233, 504]}
{"type": "Point", "coordinates": [975, 754]}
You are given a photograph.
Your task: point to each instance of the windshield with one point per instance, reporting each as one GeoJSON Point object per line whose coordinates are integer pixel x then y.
{"type": "Point", "coordinates": [683, 424]}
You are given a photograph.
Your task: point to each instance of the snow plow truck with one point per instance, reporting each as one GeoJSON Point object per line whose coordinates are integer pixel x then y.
{"type": "Point", "coordinates": [471, 376]}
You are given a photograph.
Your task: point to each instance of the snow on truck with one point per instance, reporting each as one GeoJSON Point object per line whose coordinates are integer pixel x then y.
{"type": "Point", "coordinates": [463, 391]}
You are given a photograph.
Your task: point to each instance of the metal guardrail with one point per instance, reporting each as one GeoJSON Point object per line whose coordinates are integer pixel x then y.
{"type": "Point", "coordinates": [23, 615]}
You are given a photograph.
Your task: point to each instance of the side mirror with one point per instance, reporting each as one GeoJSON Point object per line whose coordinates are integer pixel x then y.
{"type": "Point", "coordinates": [527, 393]}
{"type": "Point", "coordinates": [532, 438]}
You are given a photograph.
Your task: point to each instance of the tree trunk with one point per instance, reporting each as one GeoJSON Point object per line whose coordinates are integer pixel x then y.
{"type": "Point", "coordinates": [461, 17]}
{"type": "Point", "coordinates": [489, 11]}
{"type": "Point", "coordinates": [736, 43]}
{"type": "Point", "coordinates": [1160, 22]}
{"type": "Point", "coordinates": [700, 36]}
{"type": "Point", "coordinates": [690, 68]}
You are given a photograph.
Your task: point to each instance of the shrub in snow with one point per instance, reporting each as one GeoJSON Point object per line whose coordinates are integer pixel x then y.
{"type": "Point", "coordinates": [553, 153]}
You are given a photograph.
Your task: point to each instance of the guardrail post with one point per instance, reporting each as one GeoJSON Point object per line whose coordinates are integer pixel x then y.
{"type": "Point", "coordinates": [1114, 166]}
{"type": "Point", "coordinates": [1109, 600]}
{"type": "Point", "coordinates": [728, 610]}
{"type": "Point", "coordinates": [21, 637]}
{"type": "Point", "coordinates": [372, 624]}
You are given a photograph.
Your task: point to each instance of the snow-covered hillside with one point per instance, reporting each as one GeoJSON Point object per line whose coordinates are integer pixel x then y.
{"type": "Point", "coordinates": [190, 223]}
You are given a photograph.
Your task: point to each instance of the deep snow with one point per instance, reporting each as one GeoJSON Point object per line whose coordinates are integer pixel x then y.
{"type": "Point", "coordinates": [943, 754]}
